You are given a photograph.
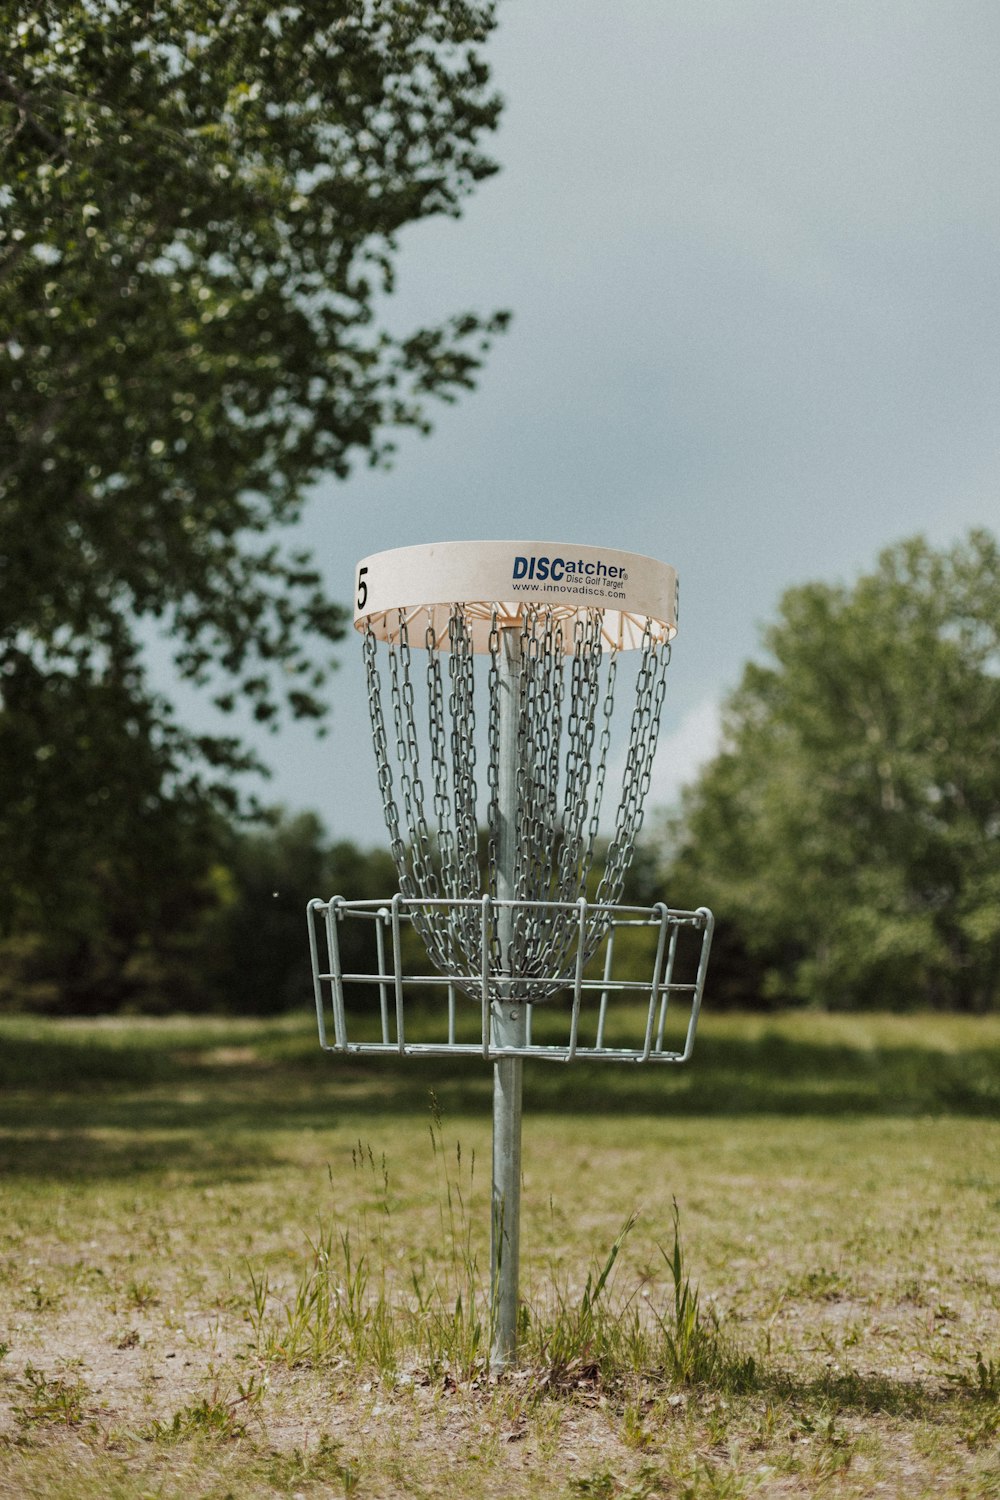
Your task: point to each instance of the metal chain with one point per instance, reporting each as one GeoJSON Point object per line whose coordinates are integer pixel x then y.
{"type": "Point", "coordinates": [380, 740]}
{"type": "Point", "coordinates": [565, 703]}
{"type": "Point", "coordinates": [575, 856]}
{"type": "Point", "coordinates": [536, 802]}
{"type": "Point", "coordinates": [493, 762]}
{"type": "Point", "coordinates": [417, 871]}
{"type": "Point", "coordinates": [462, 707]}
{"type": "Point", "coordinates": [650, 689]}
{"type": "Point", "coordinates": [439, 761]}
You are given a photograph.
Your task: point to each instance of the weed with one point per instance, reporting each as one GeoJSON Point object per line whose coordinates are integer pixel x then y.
{"type": "Point", "coordinates": [140, 1295]}
{"type": "Point", "coordinates": [983, 1431]}
{"type": "Point", "coordinates": [601, 1485]}
{"type": "Point", "coordinates": [332, 1314]}
{"type": "Point", "coordinates": [352, 1304]}
{"type": "Point", "coordinates": [708, 1481]}
{"type": "Point", "coordinates": [635, 1429]}
{"type": "Point", "coordinates": [988, 1378]}
{"type": "Point", "coordinates": [60, 1399]}
{"type": "Point", "coordinates": [696, 1353]}
{"type": "Point", "coordinates": [313, 1466]}
{"type": "Point", "coordinates": [985, 1384]}
{"type": "Point", "coordinates": [764, 1427]}
{"type": "Point", "coordinates": [363, 1159]}
{"type": "Point", "coordinates": [584, 1338]}
{"type": "Point", "coordinates": [216, 1415]}
{"type": "Point", "coordinates": [451, 1303]}
{"type": "Point", "coordinates": [820, 1284]}
{"type": "Point", "coordinates": [649, 1483]}
{"type": "Point", "coordinates": [42, 1300]}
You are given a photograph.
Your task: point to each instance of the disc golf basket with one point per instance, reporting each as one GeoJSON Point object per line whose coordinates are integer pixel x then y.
{"type": "Point", "coordinates": [493, 671]}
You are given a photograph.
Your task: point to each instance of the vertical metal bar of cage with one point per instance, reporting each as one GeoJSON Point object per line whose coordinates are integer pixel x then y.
{"type": "Point", "coordinates": [397, 969]}
{"type": "Point", "coordinates": [603, 1009]}
{"type": "Point", "coordinates": [574, 1025]}
{"type": "Point", "coordinates": [336, 970]}
{"type": "Point", "coordinates": [484, 971]}
{"type": "Point", "coordinates": [699, 983]}
{"type": "Point", "coordinates": [381, 917]}
{"type": "Point", "coordinates": [508, 1026]}
{"type": "Point", "coordinates": [313, 907]}
{"type": "Point", "coordinates": [667, 981]}
{"type": "Point", "coordinates": [654, 993]}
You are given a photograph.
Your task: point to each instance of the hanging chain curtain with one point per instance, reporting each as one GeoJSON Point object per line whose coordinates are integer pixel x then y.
{"type": "Point", "coordinates": [424, 724]}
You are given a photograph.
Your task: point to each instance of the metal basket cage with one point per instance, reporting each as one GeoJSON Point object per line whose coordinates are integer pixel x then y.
{"type": "Point", "coordinates": [588, 1008]}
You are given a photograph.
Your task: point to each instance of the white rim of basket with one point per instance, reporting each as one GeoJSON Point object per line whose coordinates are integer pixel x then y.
{"type": "Point", "coordinates": [421, 585]}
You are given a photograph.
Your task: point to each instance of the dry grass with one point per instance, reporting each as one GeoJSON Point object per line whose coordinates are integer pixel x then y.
{"type": "Point", "coordinates": [171, 1187]}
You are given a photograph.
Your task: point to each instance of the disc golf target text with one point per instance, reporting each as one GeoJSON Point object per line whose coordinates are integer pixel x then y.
{"type": "Point", "coordinates": [494, 678]}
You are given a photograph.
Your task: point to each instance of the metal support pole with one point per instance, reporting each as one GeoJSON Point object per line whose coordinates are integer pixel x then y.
{"type": "Point", "coordinates": [509, 1029]}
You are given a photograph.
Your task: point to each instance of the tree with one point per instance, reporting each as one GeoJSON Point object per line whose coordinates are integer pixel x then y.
{"type": "Point", "coordinates": [198, 220]}
{"type": "Point", "coordinates": [255, 954]}
{"type": "Point", "coordinates": [103, 870]}
{"type": "Point", "coordinates": [221, 927]}
{"type": "Point", "coordinates": [850, 827]}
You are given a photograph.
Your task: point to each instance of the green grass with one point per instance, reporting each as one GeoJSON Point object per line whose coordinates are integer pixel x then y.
{"type": "Point", "coordinates": [230, 1264]}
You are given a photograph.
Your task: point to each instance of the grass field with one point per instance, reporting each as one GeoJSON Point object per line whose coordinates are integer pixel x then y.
{"type": "Point", "coordinates": [233, 1266]}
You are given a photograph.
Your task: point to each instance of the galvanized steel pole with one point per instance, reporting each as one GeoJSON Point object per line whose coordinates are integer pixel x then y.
{"type": "Point", "coordinates": [508, 1028]}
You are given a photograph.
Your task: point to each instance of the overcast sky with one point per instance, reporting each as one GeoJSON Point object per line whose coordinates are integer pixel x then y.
{"type": "Point", "coordinates": [752, 250]}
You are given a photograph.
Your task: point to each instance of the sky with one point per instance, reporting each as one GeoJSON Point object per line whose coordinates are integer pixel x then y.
{"type": "Point", "coordinates": [752, 253]}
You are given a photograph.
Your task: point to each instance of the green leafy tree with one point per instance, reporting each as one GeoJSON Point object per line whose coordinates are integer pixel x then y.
{"type": "Point", "coordinates": [255, 953]}
{"type": "Point", "coordinates": [223, 927]}
{"type": "Point", "coordinates": [199, 206]}
{"type": "Point", "coordinates": [850, 829]}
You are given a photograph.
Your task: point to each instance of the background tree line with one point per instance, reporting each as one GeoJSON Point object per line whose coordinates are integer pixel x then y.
{"type": "Point", "coordinates": [215, 921]}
